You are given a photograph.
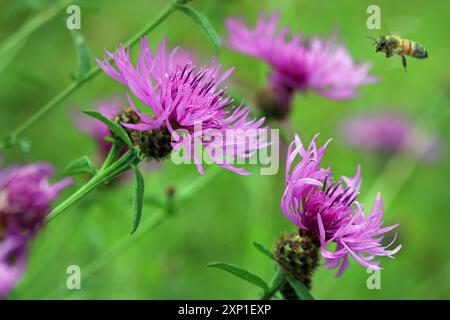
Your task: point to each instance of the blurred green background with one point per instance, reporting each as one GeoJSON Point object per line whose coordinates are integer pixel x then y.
{"type": "Point", "coordinates": [221, 221]}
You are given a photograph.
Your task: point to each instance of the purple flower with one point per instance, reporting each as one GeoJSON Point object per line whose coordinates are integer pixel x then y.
{"type": "Point", "coordinates": [322, 65]}
{"type": "Point", "coordinates": [25, 196]}
{"type": "Point", "coordinates": [97, 129]}
{"type": "Point", "coordinates": [13, 258]}
{"type": "Point", "coordinates": [388, 132]}
{"type": "Point", "coordinates": [181, 96]}
{"type": "Point", "coordinates": [327, 208]}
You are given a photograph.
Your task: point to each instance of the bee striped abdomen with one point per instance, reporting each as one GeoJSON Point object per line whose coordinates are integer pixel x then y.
{"type": "Point", "coordinates": [414, 49]}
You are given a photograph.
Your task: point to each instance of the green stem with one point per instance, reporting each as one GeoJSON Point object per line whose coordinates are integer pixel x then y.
{"type": "Point", "coordinates": [32, 25]}
{"type": "Point", "coordinates": [115, 251]}
{"type": "Point", "coordinates": [47, 107]}
{"type": "Point", "coordinates": [123, 245]}
{"type": "Point", "coordinates": [112, 155]}
{"type": "Point", "coordinates": [100, 178]}
{"type": "Point", "coordinates": [74, 85]}
{"type": "Point", "coordinates": [183, 196]}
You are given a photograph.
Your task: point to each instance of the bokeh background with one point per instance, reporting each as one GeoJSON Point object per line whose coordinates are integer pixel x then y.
{"type": "Point", "coordinates": [222, 219]}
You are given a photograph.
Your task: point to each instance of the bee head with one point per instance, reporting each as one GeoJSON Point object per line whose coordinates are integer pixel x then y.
{"type": "Point", "coordinates": [379, 42]}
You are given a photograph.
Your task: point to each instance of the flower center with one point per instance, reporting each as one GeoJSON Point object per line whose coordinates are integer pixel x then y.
{"type": "Point", "coordinates": [332, 203]}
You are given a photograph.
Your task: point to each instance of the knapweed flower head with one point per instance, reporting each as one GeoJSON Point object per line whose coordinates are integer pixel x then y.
{"type": "Point", "coordinates": [13, 258]}
{"type": "Point", "coordinates": [327, 208]}
{"type": "Point", "coordinates": [25, 197]}
{"type": "Point", "coordinates": [98, 130]}
{"type": "Point", "coordinates": [298, 63]}
{"type": "Point", "coordinates": [388, 132]}
{"type": "Point", "coordinates": [181, 98]}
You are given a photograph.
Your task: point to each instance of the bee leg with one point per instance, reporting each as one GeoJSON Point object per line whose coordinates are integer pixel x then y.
{"type": "Point", "coordinates": [404, 61]}
{"type": "Point", "coordinates": [389, 54]}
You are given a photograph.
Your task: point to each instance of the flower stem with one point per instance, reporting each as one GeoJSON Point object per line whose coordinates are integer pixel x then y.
{"type": "Point", "coordinates": [113, 154]}
{"type": "Point", "coordinates": [46, 108]}
{"type": "Point", "coordinates": [32, 25]}
{"type": "Point", "coordinates": [149, 224]}
{"type": "Point", "coordinates": [182, 197]}
{"type": "Point", "coordinates": [74, 85]}
{"type": "Point", "coordinates": [122, 246]}
{"type": "Point", "coordinates": [104, 175]}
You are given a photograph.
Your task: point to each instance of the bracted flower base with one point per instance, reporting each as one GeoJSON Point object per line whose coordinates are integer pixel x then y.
{"type": "Point", "coordinates": [298, 254]}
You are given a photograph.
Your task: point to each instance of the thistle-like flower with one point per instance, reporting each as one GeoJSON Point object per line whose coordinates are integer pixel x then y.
{"type": "Point", "coordinates": [180, 96]}
{"type": "Point", "coordinates": [298, 64]}
{"type": "Point", "coordinates": [13, 258]}
{"type": "Point", "coordinates": [327, 209]}
{"type": "Point", "coordinates": [25, 197]}
{"type": "Point", "coordinates": [391, 133]}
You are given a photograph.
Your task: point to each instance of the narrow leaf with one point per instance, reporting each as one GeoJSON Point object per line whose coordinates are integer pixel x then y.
{"type": "Point", "coordinates": [278, 280]}
{"type": "Point", "coordinates": [113, 126]}
{"type": "Point", "coordinates": [299, 288]}
{"type": "Point", "coordinates": [109, 139]}
{"type": "Point", "coordinates": [241, 273]}
{"type": "Point", "coordinates": [138, 198]}
{"type": "Point", "coordinates": [84, 59]}
{"type": "Point", "coordinates": [80, 165]}
{"type": "Point", "coordinates": [204, 23]}
{"type": "Point", "coordinates": [263, 249]}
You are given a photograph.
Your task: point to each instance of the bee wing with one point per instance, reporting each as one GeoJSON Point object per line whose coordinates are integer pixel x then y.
{"type": "Point", "coordinates": [403, 25]}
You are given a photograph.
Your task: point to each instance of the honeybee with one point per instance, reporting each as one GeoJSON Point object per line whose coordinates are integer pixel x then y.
{"type": "Point", "coordinates": [402, 47]}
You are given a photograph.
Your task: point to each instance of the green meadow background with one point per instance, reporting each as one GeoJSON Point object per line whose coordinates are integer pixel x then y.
{"type": "Point", "coordinates": [222, 219]}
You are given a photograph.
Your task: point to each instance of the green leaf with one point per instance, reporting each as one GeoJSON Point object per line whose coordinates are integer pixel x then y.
{"type": "Point", "coordinates": [203, 22]}
{"type": "Point", "coordinates": [138, 197]}
{"type": "Point", "coordinates": [84, 58]}
{"type": "Point", "coordinates": [109, 139]}
{"type": "Point", "coordinates": [241, 273]}
{"type": "Point", "coordinates": [112, 125]}
{"type": "Point", "coordinates": [278, 280]}
{"type": "Point", "coordinates": [299, 288]}
{"type": "Point", "coordinates": [80, 165]}
{"type": "Point", "coordinates": [263, 249]}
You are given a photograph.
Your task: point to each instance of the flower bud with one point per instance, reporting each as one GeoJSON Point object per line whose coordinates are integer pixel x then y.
{"type": "Point", "coordinates": [298, 254]}
{"type": "Point", "coordinates": [274, 102]}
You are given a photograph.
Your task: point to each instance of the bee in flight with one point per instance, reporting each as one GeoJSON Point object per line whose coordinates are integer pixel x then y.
{"type": "Point", "coordinates": [402, 47]}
